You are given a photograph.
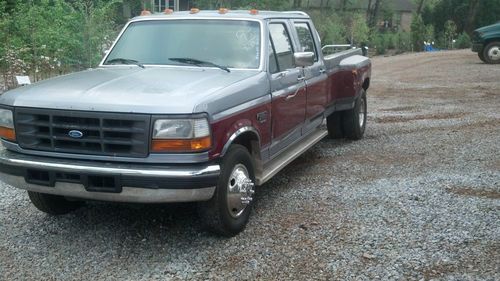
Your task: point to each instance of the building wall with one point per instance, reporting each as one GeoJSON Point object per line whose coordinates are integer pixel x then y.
{"type": "Point", "coordinates": [405, 23]}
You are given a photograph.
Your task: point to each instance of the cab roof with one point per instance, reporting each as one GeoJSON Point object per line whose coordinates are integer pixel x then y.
{"type": "Point", "coordinates": [243, 14]}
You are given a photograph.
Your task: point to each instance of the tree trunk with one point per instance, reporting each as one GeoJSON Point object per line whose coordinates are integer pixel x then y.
{"type": "Point", "coordinates": [469, 25]}
{"type": "Point", "coordinates": [369, 11]}
{"type": "Point", "coordinates": [420, 7]}
{"type": "Point", "coordinates": [374, 16]}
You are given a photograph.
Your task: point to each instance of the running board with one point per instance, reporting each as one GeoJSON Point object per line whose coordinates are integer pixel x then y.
{"type": "Point", "coordinates": [287, 156]}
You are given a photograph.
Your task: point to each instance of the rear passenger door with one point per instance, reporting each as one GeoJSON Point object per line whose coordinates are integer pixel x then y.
{"type": "Point", "coordinates": [315, 75]}
{"type": "Point", "coordinates": [287, 87]}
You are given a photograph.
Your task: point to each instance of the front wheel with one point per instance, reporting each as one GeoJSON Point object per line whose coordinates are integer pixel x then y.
{"type": "Point", "coordinates": [228, 211]}
{"type": "Point", "coordinates": [53, 204]}
{"type": "Point", "coordinates": [354, 120]}
{"type": "Point", "coordinates": [491, 53]}
{"type": "Point", "coordinates": [481, 56]}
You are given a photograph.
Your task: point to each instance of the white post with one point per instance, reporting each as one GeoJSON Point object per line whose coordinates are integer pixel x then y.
{"type": "Point", "coordinates": [176, 5]}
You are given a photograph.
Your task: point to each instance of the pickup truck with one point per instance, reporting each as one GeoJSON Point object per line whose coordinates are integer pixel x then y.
{"type": "Point", "coordinates": [486, 43]}
{"type": "Point", "coordinates": [194, 106]}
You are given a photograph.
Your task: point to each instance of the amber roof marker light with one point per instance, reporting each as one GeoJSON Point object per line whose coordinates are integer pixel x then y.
{"type": "Point", "coordinates": [194, 11]}
{"type": "Point", "coordinates": [223, 11]}
{"type": "Point", "coordinates": [168, 11]}
{"type": "Point", "coordinates": [145, 13]}
{"type": "Point", "coordinates": [254, 12]}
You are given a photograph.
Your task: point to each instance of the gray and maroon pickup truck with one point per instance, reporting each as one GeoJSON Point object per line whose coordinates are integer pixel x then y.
{"type": "Point", "coordinates": [195, 106]}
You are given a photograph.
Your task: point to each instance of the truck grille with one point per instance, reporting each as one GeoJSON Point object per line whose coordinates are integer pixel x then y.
{"type": "Point", "coordinates": [95, 133]}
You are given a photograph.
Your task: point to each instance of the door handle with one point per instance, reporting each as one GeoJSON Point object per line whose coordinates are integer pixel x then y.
{"type": "Point", "coordinates": [322, 71]}
{"type": "Point", "coordinates": [291, 96]}
{"type": "Point", "coordinates": [301, 78]}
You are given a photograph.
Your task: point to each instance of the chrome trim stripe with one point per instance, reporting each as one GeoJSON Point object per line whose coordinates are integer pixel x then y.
{"type": "Point", "coordinates": [236, 134]}
{"type": "Point", "coordinates": [128, 194]}
{"type": "Point", "coordinates": [242, 107]}
{"type": "Point", "coordinates": [75, 166]}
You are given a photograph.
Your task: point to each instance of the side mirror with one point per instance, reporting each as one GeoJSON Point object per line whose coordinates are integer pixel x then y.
{"type": "Point", "coordinates": [303, 59]}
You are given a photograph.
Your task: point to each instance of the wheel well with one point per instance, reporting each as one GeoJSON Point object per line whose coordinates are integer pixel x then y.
{"type": "Point", "coordinates": [366, 84]}
{"type": "Point", "coordinates": [490, 40]}
{"type": "Point", "coordinates": [250, 141]}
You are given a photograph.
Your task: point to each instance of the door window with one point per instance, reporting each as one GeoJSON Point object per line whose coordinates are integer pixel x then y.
{"type": "Point", "coordinates": [305, 38]}
{"type": "Point", "coordinates": [282, 46]}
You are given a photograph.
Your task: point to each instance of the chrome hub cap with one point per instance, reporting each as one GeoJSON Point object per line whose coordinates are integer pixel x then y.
{"type": "Point", "coordinates": [362, 113]}
{"type": "Point", "coordinates": [494, 53]}
{"type": "Point", "coordinates": [240, 190]}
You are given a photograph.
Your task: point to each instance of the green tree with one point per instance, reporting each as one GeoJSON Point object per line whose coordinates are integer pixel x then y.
{"type": "Point", "coordinates": [450, 32]}
{"type": "Point", "coordinates": [357, 29]}
{"type": "Point", "coordinates": [418, 32]}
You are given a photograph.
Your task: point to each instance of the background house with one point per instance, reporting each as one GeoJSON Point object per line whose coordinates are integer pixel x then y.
{"type": "Point", "coordinates": [393, 14]}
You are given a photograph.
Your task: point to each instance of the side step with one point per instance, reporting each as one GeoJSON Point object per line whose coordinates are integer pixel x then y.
{"type": "Point", "coordinates": [287, 156]}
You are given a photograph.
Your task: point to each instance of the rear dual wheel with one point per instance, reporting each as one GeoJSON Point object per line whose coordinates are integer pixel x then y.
{"type": "Point", "coordinates": [228, 211]}
{"type": "Point", "coordinates": [349, 123]}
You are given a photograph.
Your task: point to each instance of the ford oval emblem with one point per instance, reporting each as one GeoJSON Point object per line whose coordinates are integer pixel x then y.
{"type": "Point", "coordinates": [75, 134]}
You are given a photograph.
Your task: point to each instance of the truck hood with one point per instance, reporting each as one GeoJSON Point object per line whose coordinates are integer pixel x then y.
{"type": "Point", "coordinates": [490, 28]}
{"type": "Point", "coordinates": [155, 90]}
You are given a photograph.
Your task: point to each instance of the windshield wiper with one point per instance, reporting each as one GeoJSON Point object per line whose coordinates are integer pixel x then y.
{"type": "Point", "coordinates": [124, 61]}
{"type": "Point", "coordinates": [199, 63]}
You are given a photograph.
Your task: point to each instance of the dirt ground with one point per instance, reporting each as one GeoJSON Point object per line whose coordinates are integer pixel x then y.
{"type": "Point", "coordinates": [417, 199]}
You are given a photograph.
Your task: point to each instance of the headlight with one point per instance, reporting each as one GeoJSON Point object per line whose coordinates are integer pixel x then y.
{"type": "Point", "coordinates": [7, 125]}
{"type": "Point", "coordinates": [181, 135]}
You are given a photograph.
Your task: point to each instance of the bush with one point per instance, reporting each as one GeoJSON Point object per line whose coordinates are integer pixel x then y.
{"type": "Point", "coordinates": [463, 41]}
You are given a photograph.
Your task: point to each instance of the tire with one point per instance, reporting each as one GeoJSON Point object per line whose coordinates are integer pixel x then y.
{"type": "Point", "coordinates": [227, 214]}
{"type": "Point", "coordinates": [491, 53]}
{"type": "Point", "coordinates": [354, 120]}
{"type": "Point", "coordinates": [53, 204]}
{"type": "Point", "coordinates": [481, 56]}
{"type": "Point", "coordinates": [334, 126]}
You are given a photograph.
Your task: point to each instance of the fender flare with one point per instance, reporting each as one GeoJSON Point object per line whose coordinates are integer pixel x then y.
{"type": "Point", "coordinates": [236, 134]}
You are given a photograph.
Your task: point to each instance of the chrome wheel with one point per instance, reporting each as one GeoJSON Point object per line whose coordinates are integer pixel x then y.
{"type": "Point", "coordinates": [240, 190]}
{"type": "Point", "coordinates": [494, 53]}
{"type": "Point", "coordinates": [362, 112]}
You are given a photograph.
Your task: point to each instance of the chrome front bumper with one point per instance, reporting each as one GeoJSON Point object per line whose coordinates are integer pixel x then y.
{"type": "Point", "coordinates": [151, 183]}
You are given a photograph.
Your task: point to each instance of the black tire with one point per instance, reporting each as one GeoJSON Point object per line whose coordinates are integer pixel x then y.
{"type": "Point", "coordinates": [215, 213]}
{"type": "Point", "coordinates": [334, 126]}
{"type": "Point", "coordinates": [351, 119]}
{"type": "Point", "coordinates": [481, 56]}
{"type": "Point", "coordinates": [53, 204]}
{"type": "Point", "coordinates": [491, 53]}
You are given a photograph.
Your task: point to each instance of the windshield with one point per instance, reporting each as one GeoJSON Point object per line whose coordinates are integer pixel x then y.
{"type": "Point", "coordinates": [227, 43]}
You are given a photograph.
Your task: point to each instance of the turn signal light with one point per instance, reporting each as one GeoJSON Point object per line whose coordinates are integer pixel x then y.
{"type": "Point", "coordinates": [7, 133]}
{"type": "Point", "coordinates": [181, 145]}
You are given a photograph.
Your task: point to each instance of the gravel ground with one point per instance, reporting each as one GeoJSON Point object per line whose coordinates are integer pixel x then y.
{"type": "Point", "coordinates": [416, 199]}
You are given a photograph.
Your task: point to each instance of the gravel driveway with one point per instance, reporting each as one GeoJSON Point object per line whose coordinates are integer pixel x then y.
{"type": "Point", "coordinates": [417, 199]}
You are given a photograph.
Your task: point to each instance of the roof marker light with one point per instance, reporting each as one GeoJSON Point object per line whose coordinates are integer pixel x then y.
{"type": "Point", "coordinates": [145, 13]}
{"type": "Point", "coordinates": [168, 11]}
{"type": "Point", "coordinates": [254, 12]}
{"type": "Point", "coordinates": [223, 11]}
{"type": "Point", "coordinates": [194, 10]}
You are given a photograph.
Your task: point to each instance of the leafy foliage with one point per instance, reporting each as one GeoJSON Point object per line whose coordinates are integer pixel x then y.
{"type": "Point", "coordinates": [47, 37]}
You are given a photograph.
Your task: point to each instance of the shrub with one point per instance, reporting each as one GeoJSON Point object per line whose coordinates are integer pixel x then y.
{"type": "Point", "coordinates": [463, 41]}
